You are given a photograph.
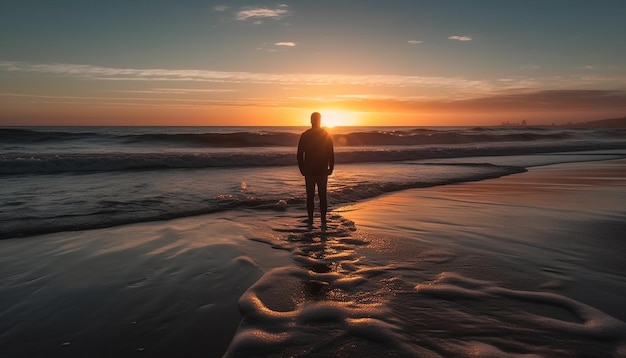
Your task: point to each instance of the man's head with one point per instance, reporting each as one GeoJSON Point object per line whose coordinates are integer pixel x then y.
{"type": "Point", "coordinates": [316, 119]}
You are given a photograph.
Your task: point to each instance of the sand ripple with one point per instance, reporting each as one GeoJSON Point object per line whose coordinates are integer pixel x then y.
{"type": "Point", "coordinates": [355, 294]}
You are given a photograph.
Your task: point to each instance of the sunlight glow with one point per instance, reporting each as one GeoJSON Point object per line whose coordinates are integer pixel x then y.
{"type": "Point", "coordinates": [335, 118]}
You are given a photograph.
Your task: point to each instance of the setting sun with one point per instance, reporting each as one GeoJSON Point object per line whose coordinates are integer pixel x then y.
{"type": "Point", "coordinates": [338, 118]}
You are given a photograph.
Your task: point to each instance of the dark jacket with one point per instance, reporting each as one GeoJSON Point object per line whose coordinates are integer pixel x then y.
{"type": "Point", "coordinates": [316, 155]}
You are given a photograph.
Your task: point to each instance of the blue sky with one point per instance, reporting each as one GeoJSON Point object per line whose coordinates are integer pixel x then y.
{"type": "Point", "coordinates": [369, 62]}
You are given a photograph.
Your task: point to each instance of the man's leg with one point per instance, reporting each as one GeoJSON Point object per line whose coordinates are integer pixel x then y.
{"type": "Point", "coordinates": [310, 196]}
{"type": "Point", "coordinates": [322, 183]}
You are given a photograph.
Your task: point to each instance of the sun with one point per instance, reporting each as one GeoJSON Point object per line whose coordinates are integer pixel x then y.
{"type": "Point", "coordinates": [338, 118]}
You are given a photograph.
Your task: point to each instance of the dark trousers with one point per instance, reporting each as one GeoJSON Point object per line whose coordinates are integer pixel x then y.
{"type": "Point", "coordinates": [321, 181]}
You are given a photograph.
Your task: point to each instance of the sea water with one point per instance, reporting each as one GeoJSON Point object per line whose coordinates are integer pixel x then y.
{"type": "Point", "coordinates": [73, 178]}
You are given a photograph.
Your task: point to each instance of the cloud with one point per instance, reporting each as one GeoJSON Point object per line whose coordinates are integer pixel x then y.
{"type": "Point", "coordinates": [220, 8]}
{"type": "Point", "coordinates": [286, 44]}
{"type": "Point", "coordinates": [138, 74]}
{"type": "Point", "coordinates": [565, 101]}
{"type": "Point", "coordinates": [258, 13]}
{"type": "Point", "coordinates": [178, 90]}
{"type": "Point", "coordinates": [460, 38]}
{"type": "Point", "coordinates": [508, 92]}
{"type": "Point", "coordinates": [549, 100]}
{"type": "Point", "coordinates": [415, 42]}
{"type": "Point", "coordinates": [537, 101]}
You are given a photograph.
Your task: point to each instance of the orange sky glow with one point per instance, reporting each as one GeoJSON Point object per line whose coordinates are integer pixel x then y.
{"type": "Point", "coordinates": [431, 64]}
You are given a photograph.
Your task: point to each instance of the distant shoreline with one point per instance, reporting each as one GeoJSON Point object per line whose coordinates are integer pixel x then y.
{"type": "Point", "coordinates": [600, 123]}
{"type": "Point", "coordinates": [612, 123]}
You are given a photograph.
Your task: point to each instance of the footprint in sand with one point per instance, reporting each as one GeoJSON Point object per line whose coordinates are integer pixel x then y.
{"type": "Point", "coordinates": [329, 286]}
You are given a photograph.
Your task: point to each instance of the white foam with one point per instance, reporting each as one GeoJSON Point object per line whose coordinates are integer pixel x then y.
{"type": "Point", "coordinates": [353, 291]}
{"type": "Point", "coordinates": [321, 293]}
{"type": "Point", "coordinates": [588, 321]}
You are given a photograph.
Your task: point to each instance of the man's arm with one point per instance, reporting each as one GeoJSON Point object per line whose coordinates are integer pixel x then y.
{"type": "Point", "coordinates": [331, 155]}
{"type": "Point", "coordinates": [300, 156]}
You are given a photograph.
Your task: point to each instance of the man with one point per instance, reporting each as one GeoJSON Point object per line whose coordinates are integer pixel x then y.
{"type": "Point", "coordinates": [316, 160]}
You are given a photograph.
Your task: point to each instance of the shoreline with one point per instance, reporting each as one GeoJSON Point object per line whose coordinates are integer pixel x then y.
{"type": "Point", "coordinates": [176, 287]}
{"type": "Point", "coordinates": [457, 280]}
{"type": "Point", "coordinates": [539, 222]}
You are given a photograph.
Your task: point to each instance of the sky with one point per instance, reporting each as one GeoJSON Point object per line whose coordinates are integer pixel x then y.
{"type": "Point", "coordinates": [358, 62]}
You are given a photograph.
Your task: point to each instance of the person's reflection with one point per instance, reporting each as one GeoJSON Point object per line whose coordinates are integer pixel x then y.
{"type": "Point", "coordinates": [317, 262]}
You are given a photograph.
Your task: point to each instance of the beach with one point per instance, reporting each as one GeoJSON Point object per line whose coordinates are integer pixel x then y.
{"type": "Point", "coordinates": [529, 264]}
{"type": "Point", "coordinates": [310, 179]}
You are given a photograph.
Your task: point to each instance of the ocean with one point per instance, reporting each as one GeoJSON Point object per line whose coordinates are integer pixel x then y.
{"type": "Point", "coordinates": [75, 178]}
{"type": "Point", "coordinates": [193, 241]}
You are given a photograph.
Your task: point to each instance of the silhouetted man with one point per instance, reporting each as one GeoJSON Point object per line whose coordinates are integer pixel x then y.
{"type": "Point", "coordinates": [316, 160]}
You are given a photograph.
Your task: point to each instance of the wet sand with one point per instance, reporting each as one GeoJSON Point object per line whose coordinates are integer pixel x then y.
{"type": "Point", "coordinates": [561, 221]}
{"type": "Point", "coordinates": [165, 289]}
{"type": "Point", "coordinates": [526, 265]}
